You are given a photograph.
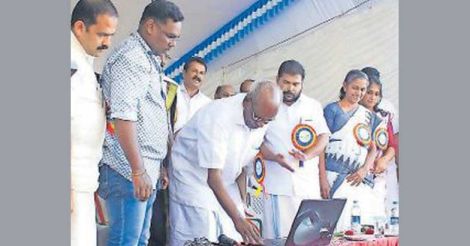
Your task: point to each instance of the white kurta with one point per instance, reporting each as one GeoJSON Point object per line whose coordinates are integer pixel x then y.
{"type": "Point", "coordinates": [87, 134]}
{"type": "Point", "coordinates": [291, 187]}
{"type": "Point", "coordinates": [187, 106]}
{"type": "Point", "coordinates": [215, 137]}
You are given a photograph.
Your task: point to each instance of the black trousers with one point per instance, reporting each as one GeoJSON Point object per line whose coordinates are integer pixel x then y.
{"type": "Point", "coordinates": [159, 222]}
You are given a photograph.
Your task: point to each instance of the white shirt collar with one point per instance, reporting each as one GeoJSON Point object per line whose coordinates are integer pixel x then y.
{"type": "Point", "coordinates": [78, 49]}
{"type": "Point", "coordinates": [185, 91]}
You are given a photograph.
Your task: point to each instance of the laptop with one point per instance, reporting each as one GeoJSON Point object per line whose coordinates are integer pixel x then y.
{"type": "Point", "coordinates": [314, 224]}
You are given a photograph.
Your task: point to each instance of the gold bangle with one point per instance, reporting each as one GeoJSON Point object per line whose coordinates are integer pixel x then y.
{"type": "Point", "coordinates": [139, 174]}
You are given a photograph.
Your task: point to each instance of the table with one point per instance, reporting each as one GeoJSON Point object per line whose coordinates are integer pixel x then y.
{"type": "Point", "coordinates": [385, 241]}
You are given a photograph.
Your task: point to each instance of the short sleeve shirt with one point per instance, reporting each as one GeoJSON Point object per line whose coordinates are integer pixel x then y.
{"type": "Point", "coordinates": [134, 90]}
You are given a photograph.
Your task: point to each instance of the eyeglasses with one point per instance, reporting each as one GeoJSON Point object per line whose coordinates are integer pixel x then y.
{"type": "Point", "coordinates": [257, 118]}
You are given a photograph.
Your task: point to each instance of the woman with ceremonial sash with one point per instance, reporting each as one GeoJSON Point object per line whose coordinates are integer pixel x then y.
{"type": "Point", "coordinates": [351, 151]}
{"type": "Point", "coordinates": [385, 178]}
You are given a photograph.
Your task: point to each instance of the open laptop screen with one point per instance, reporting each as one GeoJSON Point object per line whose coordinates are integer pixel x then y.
{"type": "Point", "coordinates": [314, 223]}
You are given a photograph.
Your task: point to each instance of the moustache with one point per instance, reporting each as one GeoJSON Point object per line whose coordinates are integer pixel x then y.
{"type": "Point", "coordinates": [288, 93]}
{"type": "Point", "coordinates": [102, 47]}
{"type": "Point", "coordinates": [197, 78]}
{"type": "Point", "coordinates": [290, 96]}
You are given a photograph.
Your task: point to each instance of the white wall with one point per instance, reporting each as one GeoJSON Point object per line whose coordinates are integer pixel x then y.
{"type": "Point", "coordinates": [368, 36]}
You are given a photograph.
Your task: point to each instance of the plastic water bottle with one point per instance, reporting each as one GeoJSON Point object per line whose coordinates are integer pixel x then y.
{"type": "Point", "coordinates": [394, 218]}
{"type": "Point", "coordinates": [356, 217]}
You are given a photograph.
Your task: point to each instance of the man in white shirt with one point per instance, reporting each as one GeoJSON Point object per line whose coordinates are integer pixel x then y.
{"type": "Point", "coordinates": [208, 156]}
{"type": "Point", "coordinates": [287, 181]}
{"type": "Point", "coordinates": [93, 24]}
{"type": "Point", "coordinates": [189, 98]}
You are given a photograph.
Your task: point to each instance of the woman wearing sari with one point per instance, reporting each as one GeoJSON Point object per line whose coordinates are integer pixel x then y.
{"type": "Point", "coordinates": [385, 177]}
{"type": "Point", "coordinates": [351, 151]}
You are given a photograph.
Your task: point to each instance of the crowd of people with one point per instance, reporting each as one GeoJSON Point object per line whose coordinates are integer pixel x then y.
{"type": "Point", "coordinates": [164, 155]}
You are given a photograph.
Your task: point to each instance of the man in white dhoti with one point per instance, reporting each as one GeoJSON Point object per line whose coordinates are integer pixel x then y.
{"type": "Point", "coordinates": [208, 156]}
{"type": "Point", "coordinates": [286, 182]}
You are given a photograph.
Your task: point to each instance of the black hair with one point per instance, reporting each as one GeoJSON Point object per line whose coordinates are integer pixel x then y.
{"type": "Point", "coordinates": [218, 91]}
{"type": "Point", "coordinates": [161, 10]}
{"type": "Point", "coordinates": [350, 77]}
{"type": "Point", "coordinates": [376, 80]}
{"type": "Point", "coordinates": [88, 10]}
{"type": "Point", "coordinates": [371, 71]}
{"type": "Point", "coordinates": [292, 67]}
{"type": "Point", "coordinates": [195, 59]}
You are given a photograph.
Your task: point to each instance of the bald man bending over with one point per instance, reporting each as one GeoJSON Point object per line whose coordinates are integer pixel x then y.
{"type": "Point", "coordinates": [207, 158]}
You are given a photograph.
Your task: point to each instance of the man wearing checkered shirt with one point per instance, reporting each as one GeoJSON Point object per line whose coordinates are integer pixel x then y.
{"type": "Point", "coordinates": [137, 133]}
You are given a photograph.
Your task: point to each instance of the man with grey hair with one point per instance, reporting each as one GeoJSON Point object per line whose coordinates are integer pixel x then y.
{"type": "Point", "coordinates": [208, 156]}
